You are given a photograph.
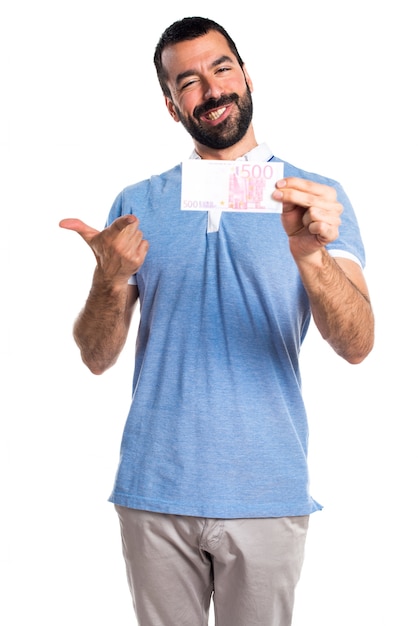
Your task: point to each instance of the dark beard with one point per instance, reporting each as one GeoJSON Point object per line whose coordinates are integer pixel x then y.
{"type": "Point", "coordinates": [228, 132]}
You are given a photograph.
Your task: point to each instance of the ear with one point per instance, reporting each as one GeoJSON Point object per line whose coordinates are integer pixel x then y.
{"type": "Point", "coordinates": [171, 109]}
{"type": "Point", "coordinates": [248, 79]}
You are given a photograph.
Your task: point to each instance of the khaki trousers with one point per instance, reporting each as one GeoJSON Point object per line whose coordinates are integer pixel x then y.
{"type": "Point", "coordinates": [176, 563]}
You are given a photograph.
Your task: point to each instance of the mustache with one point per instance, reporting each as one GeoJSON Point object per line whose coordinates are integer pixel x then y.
{"type": "Point", "coordinates": [213, 103]}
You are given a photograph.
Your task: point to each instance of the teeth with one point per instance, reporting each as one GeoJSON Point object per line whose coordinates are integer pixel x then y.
{"type": "Point", "coordinates": [214, 115]}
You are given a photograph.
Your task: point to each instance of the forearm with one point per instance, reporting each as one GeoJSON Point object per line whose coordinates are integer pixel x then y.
{"type": "Point", "coordinates": [101, 329]}
{"type": "Point", "coordinates": [341, 309]}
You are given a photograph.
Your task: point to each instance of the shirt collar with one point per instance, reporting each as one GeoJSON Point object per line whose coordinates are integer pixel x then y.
{"type": "Point", "coordinates": [260, 153]}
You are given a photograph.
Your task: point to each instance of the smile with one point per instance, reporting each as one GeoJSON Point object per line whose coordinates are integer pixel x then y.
{"type": "Point", "coordinates": [214, 115]}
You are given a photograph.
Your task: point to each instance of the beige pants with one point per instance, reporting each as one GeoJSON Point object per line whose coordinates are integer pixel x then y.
{"type": "Point", "coordinates": [175, 563]}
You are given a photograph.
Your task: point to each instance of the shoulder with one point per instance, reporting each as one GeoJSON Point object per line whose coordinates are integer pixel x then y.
{"type": "Point", "coordinates": [158, 181]}
{"type": "Point", "coordinates": [293, 170]}
{"type": "Point", "coordinates": [138, 194]}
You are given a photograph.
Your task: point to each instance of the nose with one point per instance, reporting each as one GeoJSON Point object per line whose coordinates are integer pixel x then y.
{"type": "Point", "coordinates": [211, 88]}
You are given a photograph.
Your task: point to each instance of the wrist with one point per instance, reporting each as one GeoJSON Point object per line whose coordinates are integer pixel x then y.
{"type": "Point", "coordinates": [317, 258]}
{"type": "Point", "coordinates": [109, 285]}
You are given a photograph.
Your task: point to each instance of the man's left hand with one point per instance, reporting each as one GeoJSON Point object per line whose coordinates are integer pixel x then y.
{"type": "Point", "coordinates": [311, 214]}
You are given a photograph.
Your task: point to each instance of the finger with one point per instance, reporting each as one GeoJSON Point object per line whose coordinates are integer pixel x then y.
{"type": "Point", "coordinates": [88, 232]}
{"type": "Point", "coordinates": [330, 213]}
{"type": "Point", "coordinates": [124, 228]}
{"type": "Point", "coordinates": [85, 231]}
{"type": "Point", "coordinates": [124, 221]}
{"type": "Point", "coordinates": [294, 198]}
{"type": "Point", "coordinates": [324, 232]}
{"type": "Point", "coordinates": [306, 185]}
{"type": "Point", "coordinates": [302, 192]}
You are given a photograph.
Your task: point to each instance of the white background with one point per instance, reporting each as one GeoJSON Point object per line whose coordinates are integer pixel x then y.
{"type": "Point", "coordinates": [82, 117]}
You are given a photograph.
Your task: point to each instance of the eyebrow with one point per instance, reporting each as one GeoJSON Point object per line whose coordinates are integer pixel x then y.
{"type": "Point", "coordinates": [223, 59]}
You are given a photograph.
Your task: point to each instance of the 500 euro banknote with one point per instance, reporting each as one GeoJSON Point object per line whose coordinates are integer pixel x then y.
{"type": "Point", "coordinates": [245, 186]}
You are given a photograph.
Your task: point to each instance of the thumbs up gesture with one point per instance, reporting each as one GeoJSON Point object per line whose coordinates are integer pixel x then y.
{"type": "Point", "coordinates": [120, 249]}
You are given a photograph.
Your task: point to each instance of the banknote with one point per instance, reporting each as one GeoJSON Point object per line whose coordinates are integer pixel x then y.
{"type": "Point", "coordinates": [245, 186]}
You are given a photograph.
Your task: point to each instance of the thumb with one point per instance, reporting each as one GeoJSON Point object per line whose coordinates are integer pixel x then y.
{"type": "Point", "coordinates": [86, 232]}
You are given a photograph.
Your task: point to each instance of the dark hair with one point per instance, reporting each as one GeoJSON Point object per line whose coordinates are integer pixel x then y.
{"type": "Point", "coordinates": [186, 29]}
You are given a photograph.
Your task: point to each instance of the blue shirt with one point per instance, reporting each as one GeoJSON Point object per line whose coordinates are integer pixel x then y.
{"type": "Point", "coordinates": [217, 425]}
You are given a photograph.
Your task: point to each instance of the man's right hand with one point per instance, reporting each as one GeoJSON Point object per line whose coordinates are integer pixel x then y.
{"type": "Point", "coordinates": [120, 249]}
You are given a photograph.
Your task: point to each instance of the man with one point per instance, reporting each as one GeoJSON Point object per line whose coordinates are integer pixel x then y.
{"type": "Point", "coordinates": [212, 488]}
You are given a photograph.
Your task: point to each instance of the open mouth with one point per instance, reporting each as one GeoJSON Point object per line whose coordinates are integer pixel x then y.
{"type": "Point", "coordinates": [215, 110]}
{"type": "Point", "coordinates": [215, 115]}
